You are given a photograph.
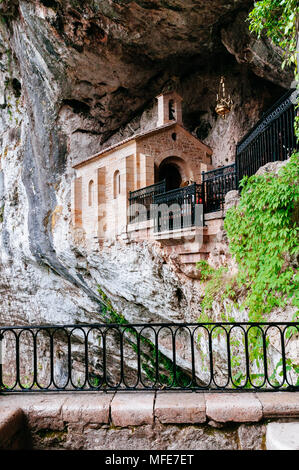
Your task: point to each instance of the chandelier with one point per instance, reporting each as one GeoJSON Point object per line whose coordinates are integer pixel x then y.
{"type": "Point", "coordinates": [223, 101]}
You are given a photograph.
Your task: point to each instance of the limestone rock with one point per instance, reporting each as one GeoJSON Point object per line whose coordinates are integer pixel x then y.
{"type": "Point", "coordinates": [80, 76]}
{"type": "Point", "coordinates": [263, 57]}
{"type": "Point", "coordinates": [271, 167]}
{"type": "Point", "coordinates": [232, 199]}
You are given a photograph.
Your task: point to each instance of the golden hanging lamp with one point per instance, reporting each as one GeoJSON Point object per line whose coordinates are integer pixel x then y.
{"type": "Point", "coordinates": [224, 102]}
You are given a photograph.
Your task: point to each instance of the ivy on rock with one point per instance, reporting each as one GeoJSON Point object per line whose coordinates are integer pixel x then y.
{"type": "Point", "coordinates": [263, 236]}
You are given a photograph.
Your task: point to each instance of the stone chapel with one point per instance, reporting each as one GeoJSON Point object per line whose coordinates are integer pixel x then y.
{"type": "Point", "coordinates": [166, 160]}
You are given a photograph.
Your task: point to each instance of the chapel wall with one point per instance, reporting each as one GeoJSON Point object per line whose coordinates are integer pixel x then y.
{"type": "Point", "coordinates": [176, 142]}
{"type": "Point", "coordinates": [103, 212]}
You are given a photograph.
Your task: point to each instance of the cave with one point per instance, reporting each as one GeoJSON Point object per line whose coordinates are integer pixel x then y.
{"type": "Point", "coordinates": [82, 92]}
{"type": "Point", "coordinates": [102, 102]}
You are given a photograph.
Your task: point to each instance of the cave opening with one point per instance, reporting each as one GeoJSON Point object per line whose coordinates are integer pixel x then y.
{"type": "Point", "coordinates": [17, 87]}
{"type": "Point", "coordinates": [50, 4]}
{"type": "Point", "coordinates": [78, 107]}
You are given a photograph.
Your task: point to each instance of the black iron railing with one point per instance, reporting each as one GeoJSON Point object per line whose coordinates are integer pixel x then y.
{"type": "Point", "coordinates": [198, 356]}
{"type": "Point", "coordinates": [141, 200]}
{"type": "Point", "coordinates": [272, 138]}
{"type": "Point", "coordinates": [216, 183]}
{"type": "Point", "coordinates": [178, 208]}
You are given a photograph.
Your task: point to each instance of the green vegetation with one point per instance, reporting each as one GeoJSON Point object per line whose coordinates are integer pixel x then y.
{"type": "Point", "coordinates": [53, 436]}
{"type": "Point", "coordinates": [277, 19]}
{"type": "Point", "coordinates": [152, 360]}
{"type": "Point", "coordinates": [263, 236]}
{"type": "Point", "coordinates": [110, 315]}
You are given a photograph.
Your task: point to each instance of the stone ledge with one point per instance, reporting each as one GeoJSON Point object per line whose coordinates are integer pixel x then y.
{"type": "Point", "coordinates": [11, 422]}
{"type": "Point", "coordinates": [52, 410]}
{"type": "Point", "coordinates": [145, 420]}
{"type": "Point", "coordinates": [234, 407]}
{"type": "Point", "coordinates": [181, 233]}
{"type": "Point", "coordinates": [180, 408]}
{"type": "Point", "coordinates": [132, 409]}
{"type": "Point", "coordinates": [125, 409]}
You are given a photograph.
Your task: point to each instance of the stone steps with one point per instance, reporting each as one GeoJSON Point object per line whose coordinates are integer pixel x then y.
{"type": "Point", "coordinates": [192, 256]}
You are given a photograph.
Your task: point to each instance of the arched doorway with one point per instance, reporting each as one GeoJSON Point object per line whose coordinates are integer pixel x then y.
{"type": "Point", "coordinates": [171, 173]}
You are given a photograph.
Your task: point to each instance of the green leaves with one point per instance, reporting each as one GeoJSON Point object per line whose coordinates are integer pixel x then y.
{"type": "Point", "coordinates": [212, 287]}
{"type": "Point", "coordinates": [277, 19]}
{"type": "Point", "coordinates": [206, 271]}
{"type": "Point", "coordinates": [263, 235]}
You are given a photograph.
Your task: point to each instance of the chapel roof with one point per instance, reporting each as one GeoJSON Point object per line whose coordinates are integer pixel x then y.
{"type": "Point", "coordinates": [136, 137]}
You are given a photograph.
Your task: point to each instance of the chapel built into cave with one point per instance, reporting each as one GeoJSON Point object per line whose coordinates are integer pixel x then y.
{"type": "Point", "coordinates": [160, 185]}
{"type": "Point", "coordinates": [166, 160]}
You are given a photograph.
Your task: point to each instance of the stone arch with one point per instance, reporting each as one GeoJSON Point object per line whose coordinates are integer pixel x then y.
{"type": "Point", "coordinates": [175, 170]}
{"type": "Point", "coordinates": [171, 110]}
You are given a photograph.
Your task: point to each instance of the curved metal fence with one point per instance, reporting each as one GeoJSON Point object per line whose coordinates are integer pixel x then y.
{"type": "Point", "coordinates": [182, 356]}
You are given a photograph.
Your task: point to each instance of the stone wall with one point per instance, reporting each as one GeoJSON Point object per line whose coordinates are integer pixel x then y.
{"type": "Point", "coordinates": [177, 142]}
{"type": "Point", "coordinates": [150, 421]}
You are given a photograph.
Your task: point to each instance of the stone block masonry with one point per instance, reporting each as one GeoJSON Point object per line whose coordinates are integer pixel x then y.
{"type": "Point", "coordinates": [12, 428]}
{"type": "Point", "coordinates": [150, 421]}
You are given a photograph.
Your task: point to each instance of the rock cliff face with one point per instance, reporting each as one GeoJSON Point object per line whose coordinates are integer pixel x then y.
{"type": "Point", "coordinates": [78, 76]}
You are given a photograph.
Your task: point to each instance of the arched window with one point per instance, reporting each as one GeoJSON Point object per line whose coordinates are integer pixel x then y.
{"type": "Point", "coordinates": [90, 192]}
{"type": "Point", "coordinates": [116, 183]}
{"type": "Point", "coordinates": [171, 110]}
